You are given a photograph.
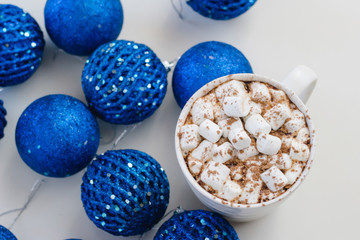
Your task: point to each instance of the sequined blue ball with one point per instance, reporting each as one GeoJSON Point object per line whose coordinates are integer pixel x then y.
{"type": "Point", "coordinates": [196, 224]}
{"type": "Point", "coordinates": [80, 26]}
{"type": "Point", "coordinates": [5, 234]}
{"type": "Point", "coordinates": [21, 45]}
{"type": "Point", "coordinates": [3, 121]}
{"type": "Point", "coordinates": [203, 63]}
{"type": "Point", "coordinates": [125, 192]}
{"type": "Point", "coordinates": [221, 9]}
{"type": "Point", "coordinates": [124, 82]}
{"type": "Point", "coordinates": [57, 136]}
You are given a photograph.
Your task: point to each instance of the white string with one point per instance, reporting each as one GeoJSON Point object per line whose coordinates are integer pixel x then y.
{"type": "Point", "coordinates": [33, 191]}
{"type": "Point", "coordinates": [180, 10]}
{"type": "Point", "coordinates": [170, 64]}
{"type": "Point", "coordinates": [58, 51]}
{"type": "Point", "coordinates": [125, 132]}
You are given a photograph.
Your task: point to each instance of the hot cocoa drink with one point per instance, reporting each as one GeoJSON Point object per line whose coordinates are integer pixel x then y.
{"type": "Point", "coordinates": [245, 142]}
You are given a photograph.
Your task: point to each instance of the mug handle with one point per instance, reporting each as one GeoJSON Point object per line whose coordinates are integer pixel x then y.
{"type": "Point", "coordinates": [302, 81]}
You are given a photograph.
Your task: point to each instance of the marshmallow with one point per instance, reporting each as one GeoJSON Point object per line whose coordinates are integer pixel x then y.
{"type": "Point", "coordinates": [202, 109]}
{"type": "Point", "coordinates": [246, 153]}
{"type": "Point", "coordinates": [268, 144]}
{"type": "Point", "coordinates": [274, 179]}
{"type": "Point", "coordinates": [303, 135]}
{"type": "Point", "coordinates": [230, 89]}
{"type": "Point", "coordinates": [237, 106]}
{"type": "Point", "coordinates": [214, 175]}
{"type": "Point", "coordinates": [190, 137]}
{"type": "Point", "coordinates": [223, 153]}
{"type": "Point", "coordinates": [199, 155]}
{"type": "Point", "coordinates": [256, 125]}
{"type": "Point", "coordinates": [239, 139]}
{"type": "Point", "coordinates": [277, 115]}
{"type": "Point", "coordinates": [294, 172]}
{"type": "Point", "coordinates": [195, 165]}
{"type": "Point", "coordinates": [219, 113]}
{"type": "Point", "coordinates": [286, 142]}
{"type": "Point", "coordinates": [252, 189]}
{"type": "Point", "coordinates": [296, 122]}
{"type": "Point", "coordinates": [255, 108]}
{"type": "Point", "coordinates": [253, 162]}
{"type": "Point", "coordinates": [210, 131]}
{"type": "Point", "coordinates": [299, 151]}
{"type": "Point", "coordinates": [282, 161]}
{"type": "Point", "coordinates": [236, 172]}
{"type": "Point", "coordinates": [267, 195]}
{"type": "Point", "coordinates": [230, 191]}
{"type": "Point", "coordinates": [228, 124]}
{"type": "Point", "coordinates": [203, 152]}
{"type": "Point", "coordinates": [260, 92]}
{"type": "Point", "coordinates": [278, 95]}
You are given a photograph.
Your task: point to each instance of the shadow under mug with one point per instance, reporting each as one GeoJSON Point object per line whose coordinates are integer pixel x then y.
{"type": "Point", "coordinates": [301, 81]}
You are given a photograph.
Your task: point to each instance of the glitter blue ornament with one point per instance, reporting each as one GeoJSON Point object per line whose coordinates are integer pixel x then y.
{"type": "Point", "coordinates": [80, 26]}
{"type": "Point", "coordinates": [221, 9]}
{"type": "Point", "coordinates": [125, 192]}
{"type": "Point", "coordinates": [21, 45]}
{"type": "Point", "coordinates": [57, 136]}
{"type": "Point", "coordinates": [203, 63]}
{"type": "Point", "coordinates": [5, 234]}
{"type": "Point", "coordinates": [196, 224]}
{"type": "Point", "coordinates": [3, 121]}
{"type": "Point", "coordinates": [124, 82]}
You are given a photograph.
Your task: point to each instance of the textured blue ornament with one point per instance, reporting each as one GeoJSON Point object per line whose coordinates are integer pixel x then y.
{"type": "Point", "coordinates": [125, 192]}
{"type": "Point", "coordinates": [21, 45]}
{"type": "Point", "coordinates": [3, 121]}
{"type": "Point", "coordinates": [57, 136]}
{"type": "Point", "coordinates": [221, 9]}
{"type": "Point", "coordinates": [80, 26]}
{"type": "Point", "coordinates": [124, 82]}
{"type": "Point", "coordinates": [196, 224]}
{"type": "Point", "coordinates": [203, 63]}
{"type": "Point", "coordinates": [5, 234]}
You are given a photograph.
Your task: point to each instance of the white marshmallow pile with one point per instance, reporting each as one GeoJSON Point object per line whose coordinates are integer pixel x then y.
{"type": "Point", "coordinates": [245, 142]}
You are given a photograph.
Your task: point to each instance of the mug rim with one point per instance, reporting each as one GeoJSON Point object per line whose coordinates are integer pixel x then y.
{"type": "Point", "coordinates": [246, 77]}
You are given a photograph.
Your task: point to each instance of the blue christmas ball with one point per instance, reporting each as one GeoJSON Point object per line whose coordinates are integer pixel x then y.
{"type": "Point", "coordinates": [21, 45]}
{"type": "Point", "coordinates": [125, 192]}
{"type": "Point", "coordinates": [203, 63]}
{"type": "Point", "coordinates": [57, 136]}
{"type": "Point", "coordinates": [196, 224]}
{"type": "Point", "coordinates": [124, 82]}
{"type": "Point", "coordinates": [3, 121]}
{"type": "Point", "coordinates": [5, 234]}
{"type": "Point", "coordinates": [80, 26]}
{"type": "Point", "coordinates": [221, 9]}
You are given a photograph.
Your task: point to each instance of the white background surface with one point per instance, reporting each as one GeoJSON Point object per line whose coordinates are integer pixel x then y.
{"type": "Point", "coordinates": [275, 35]}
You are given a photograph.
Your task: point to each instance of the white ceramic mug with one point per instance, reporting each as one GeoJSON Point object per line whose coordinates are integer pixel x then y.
{"type": "Point", "coordinates": [302, 81]}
